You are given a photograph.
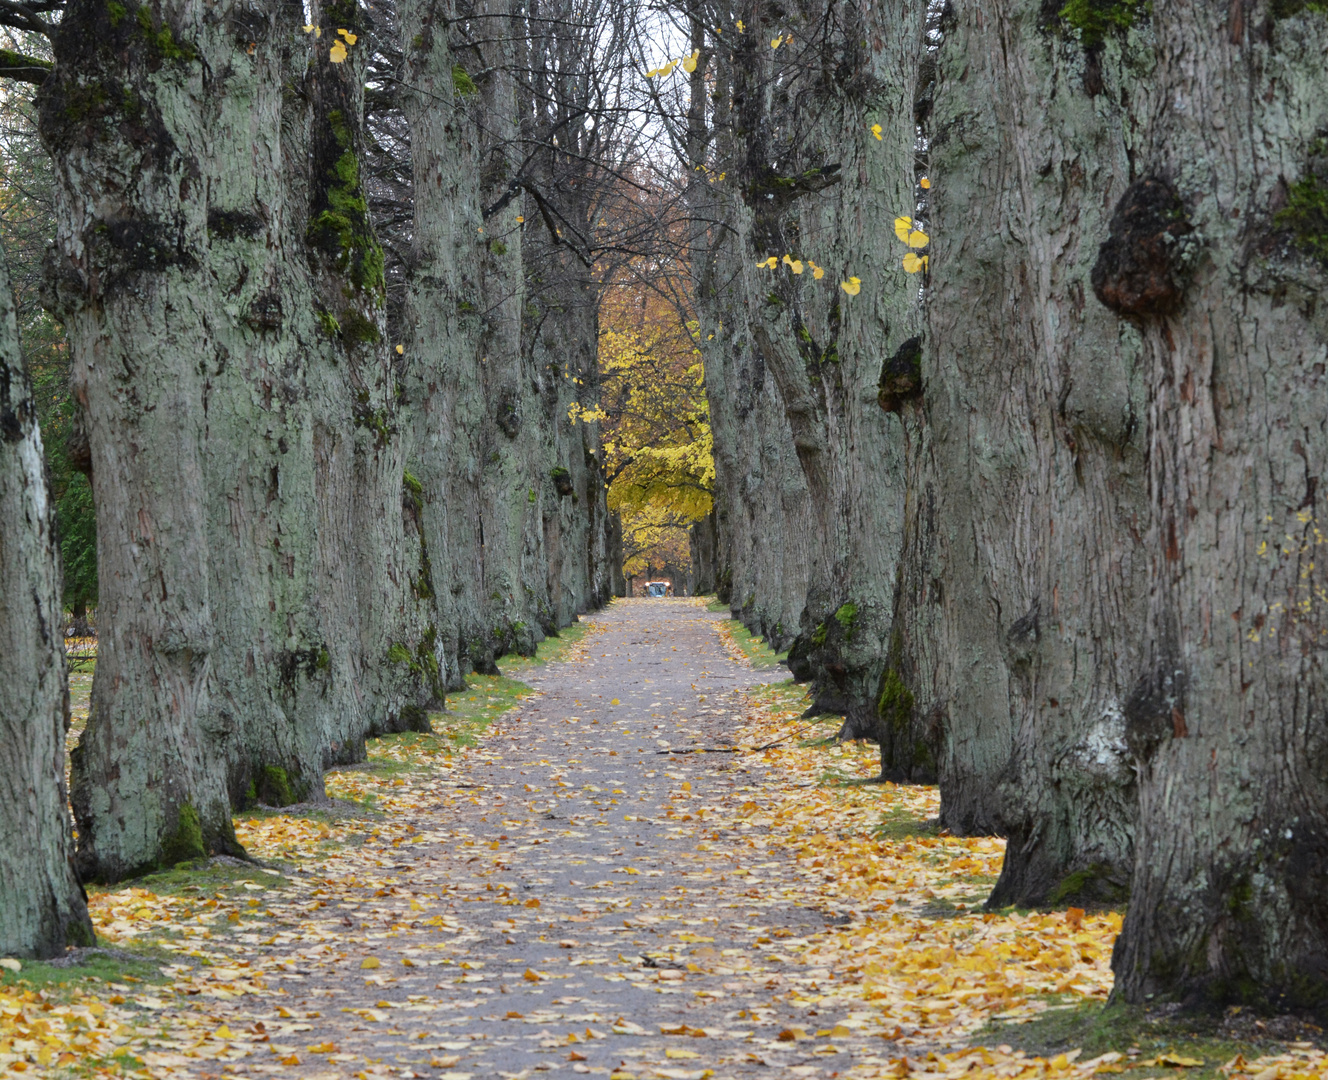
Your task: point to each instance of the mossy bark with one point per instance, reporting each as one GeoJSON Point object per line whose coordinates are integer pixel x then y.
{"type": "Point", "coordinates": [131, 284]}
{"type": "Point", "coordinates": [42, 907]}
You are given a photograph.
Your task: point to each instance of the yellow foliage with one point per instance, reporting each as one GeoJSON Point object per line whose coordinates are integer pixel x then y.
{"type": "Point", "coordinates": [655, 424]}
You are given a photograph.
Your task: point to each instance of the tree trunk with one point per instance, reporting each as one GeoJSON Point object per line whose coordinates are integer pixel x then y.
{"type": "Point", "coordinates": [1036, 451]}
{"type": "Point", "coordinates": [442, 352]}
{"type": "Point", "coordinates": [702, 543]}
{"type": "Point", "coordinates": [42, 907]}
{"type": "Point", "coordinates": [1227, 719]}
{"type": "Point", "coordinates": [126, 117]}
{"type": "Point", "coordinates": [815, 177]}
{"type": "Point", "coordinates": [370, 569]}
{"type": "Point", "coordinates": [762, 519]}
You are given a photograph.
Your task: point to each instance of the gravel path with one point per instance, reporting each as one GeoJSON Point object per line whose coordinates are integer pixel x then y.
{"type": "Point", "coordinates": [613, 946]}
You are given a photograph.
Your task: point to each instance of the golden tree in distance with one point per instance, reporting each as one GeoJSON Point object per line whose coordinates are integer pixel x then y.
{"type": "Point", "coordinates": [655, 418]}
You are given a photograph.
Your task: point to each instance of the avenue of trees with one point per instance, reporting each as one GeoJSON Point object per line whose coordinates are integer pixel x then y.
{"type": "Point", "coordinates": [1009, 320]}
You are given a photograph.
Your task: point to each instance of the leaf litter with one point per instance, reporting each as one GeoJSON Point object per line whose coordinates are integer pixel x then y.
{"type": "Point", "coordinates": [556, 888]}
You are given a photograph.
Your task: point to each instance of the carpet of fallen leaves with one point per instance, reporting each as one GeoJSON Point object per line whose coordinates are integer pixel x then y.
{"type": "Point", "coordinates": [902, 986]}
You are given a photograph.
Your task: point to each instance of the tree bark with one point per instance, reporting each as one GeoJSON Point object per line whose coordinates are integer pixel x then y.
{"type": "Point", "coordinates": [1227, 718]}
{"type": "Point", "coordinates": [125, 115]}
{"type": "Point", "coordinates": [814, 177]}
{"type": "Point", "coordinates": [1033, 398]}
{"type": "Point", "coordinates": [42, 906]}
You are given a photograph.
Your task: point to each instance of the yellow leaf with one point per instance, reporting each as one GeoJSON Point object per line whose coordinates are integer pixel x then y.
{"type": "Point", "coordinates": [903, 226]}
{"type": "Point", "coordinates": [687, 785]}
{"type": "Point", "coordinates": [681, 1054]}
{"type": "Point", "coordinates": [574, 1056]}
{"type": "Point", "coordinates": [350, 38]}
{"type": "Point", "coordinates": [323, 1048]}
{"type": "Point", "coordinates": [370, 962]}
{"type": "Point", "coordinates": [796, 266]}
{"type": "Point", "coordinates": [876, 130]}
{"type": "Point", "coordinates": [290, 1059]}
{"type": "Point", "coordinates": [689, 64]}
{"type": "Point", "coordinates": [924, 183]}
{"type": "Point", "coordinates": [445, 1062]}
{"type": "Point", "coordinates": [775, 42]}
{"type": "Point", "coordinates": [817, 273]}
{"type": "Point", "coordinates": [615, 701]}
{"type": "Point", "coordinates": [769, 263]}
{"type": "Point", "coordinates": [337, 54]}
{"type": "Point", "coordinates": [519, 219]}
{"type": "Point", "coordinates": [741, 29]}
{"type": "Point", "coordinates": [1175, 1061]}
{"type": "Point", "coordinates": [400, 349]}
{"type": "Point", "coordinates": [918, 239]}
{"type": "Point", "coordinates": [852, 286]}
{"type": "Point", "coordinates": [307, 29]}
{"type": "Point", "coordinates": [914, 263]}
{"type": "Point", "coordinates": [532, 902]}
{"type": "Point", "coordinates": [530, 976]}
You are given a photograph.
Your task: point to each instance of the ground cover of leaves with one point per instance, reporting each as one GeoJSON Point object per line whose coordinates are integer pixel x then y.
{"type": "Point", "coordinates": [638, 861]}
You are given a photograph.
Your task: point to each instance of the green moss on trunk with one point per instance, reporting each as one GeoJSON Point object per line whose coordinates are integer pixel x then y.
{"type": "Point", "coordinates": [186, 842]}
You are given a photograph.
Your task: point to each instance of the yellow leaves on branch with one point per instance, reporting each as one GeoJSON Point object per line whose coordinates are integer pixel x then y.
{"type": "Point", "coordinates": [795, 265]}
{"type": "Point", "coordinates": [915, 238]}
{"type": "Point", "coordinates": [337, 54]}
{"type": "Point", "coordinates": [687, 63]}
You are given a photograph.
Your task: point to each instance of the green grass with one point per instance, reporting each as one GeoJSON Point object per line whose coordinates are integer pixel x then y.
{"type": "Point", "coordinates": [1213, 1038]}
{"type": "Point", "coordinates": [786, 696]}
{"type": "Point", "coordinates": [715, 604]}
{"type": "Point", "coordinates": [201, 878]}
{"type": "Point", "coordinates": [139, 965]}
{"type": "Point", "coordinates": [758, 653]}
{"type": "Point", "coordinates": [898, 824]}
{"type": "Point", "coordinates": [471, 710]}
{"type": "Point", "coordinates": [549, 651]}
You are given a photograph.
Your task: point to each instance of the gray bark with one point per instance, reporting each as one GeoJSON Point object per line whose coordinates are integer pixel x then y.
{"type": "Point", "coordinates": [1036, 452]}
{"type": "Point", "coordinates": [42, 907]}
{"type": "Point", "coordinates": [131, 286]}
{"type": "Point", "coordinates": [1227, 719]}
{"type": "Point", "coordinates": [444, 321]}
{"type": "Point", "coordinates": [819, 186]}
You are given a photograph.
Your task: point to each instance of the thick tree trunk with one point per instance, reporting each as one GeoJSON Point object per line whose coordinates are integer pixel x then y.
{"type": "Point", "coordinates": [823, 189]}
{"type": "Point", "coordinates": [442, 352]}
{"type": "Point", "coordinates": [1033, 400]}
{"type": "Point", "coordinates": [370, 569]}
{"type": "Point", "coordinates": [131, 285]}
{"type": "Point", "coordinates": [1228, 717]}
{"type": "Point", "coordinates": [42, 907]}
